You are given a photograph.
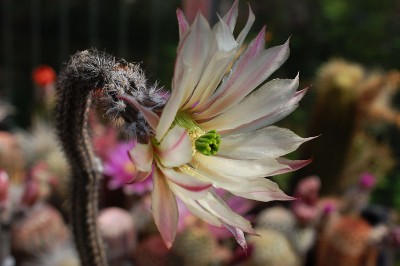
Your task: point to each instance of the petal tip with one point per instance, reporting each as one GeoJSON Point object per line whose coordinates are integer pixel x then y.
{"type": "Point", "coordinates": [168, 244]}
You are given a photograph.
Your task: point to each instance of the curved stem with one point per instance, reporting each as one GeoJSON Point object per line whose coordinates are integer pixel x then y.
{"type": "Point", "coordinates": [96, 76]}
{"type": "Point", "coordinates": [73, 132]}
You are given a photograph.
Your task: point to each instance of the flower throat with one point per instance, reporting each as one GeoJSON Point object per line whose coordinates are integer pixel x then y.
{"type": "Point", "coordinates": [206, 143]}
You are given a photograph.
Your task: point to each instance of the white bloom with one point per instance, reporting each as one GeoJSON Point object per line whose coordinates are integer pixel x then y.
{"type": "Point", "coordinates": [215, 131]}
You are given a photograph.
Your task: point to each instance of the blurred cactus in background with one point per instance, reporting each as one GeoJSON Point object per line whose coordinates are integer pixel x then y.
{"type": "Point", "coordinates": [347, 203]}
{"type": "Point", "coordinates": [346, 242]}
{"type": "Point", "coordinates": [118, 230]}
{"type": "Point", "coordinates": [271, 248]}
{"type": "Point", "coordinates": [40, 230]}
{"type": "Point", "coordinates": [334, 118]}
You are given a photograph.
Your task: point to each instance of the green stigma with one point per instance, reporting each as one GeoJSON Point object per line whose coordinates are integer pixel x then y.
{"type": "Point", "coordinates": [208, 144]}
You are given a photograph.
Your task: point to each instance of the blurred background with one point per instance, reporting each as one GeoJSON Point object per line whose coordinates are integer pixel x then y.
{"type": "Point", "coordinates": [347, 52]}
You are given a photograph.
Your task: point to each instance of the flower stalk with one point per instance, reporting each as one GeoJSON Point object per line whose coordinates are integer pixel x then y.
{"type": "Point", "coordinates": [93, 77]}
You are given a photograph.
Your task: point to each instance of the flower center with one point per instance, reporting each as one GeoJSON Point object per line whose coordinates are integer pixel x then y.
{"type": "Point", "coordinates": [204, 142]}
{"type": "Point", "coordinates": [208, 144]}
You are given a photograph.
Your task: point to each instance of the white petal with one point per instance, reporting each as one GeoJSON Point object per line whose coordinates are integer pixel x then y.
{"type": "Point", "coordinates": [184, 193]}
{"type": "Point", "coordinates": [212, 76]}
{"type": "Point", "coordinates": [239, 169]}
{"type": "Point", "coordinates": [225, 40]}
{"type": "Point", "coordinates": [245, 78]}
{"type": "Point", "coordinates": [231, 17]}
{"type": "Point", "coordinates": [246, 29]}
{"type": "Point", "coordinates": [169, 113]}
{"type": "Point", "coordinates": [182, 22]}
{"type": "Point", "coordinates": [292, 165]}
{"type": "Point", "coordinates": [261, 189]}
{"type": "Point", "coordinates": [142, 156]}
{"type": "Point", "coordinates": [186, 181]}
{"type": "Point", "coordinates": [221, 53]}
{"type": "Point", "coordinates": [216, 206]}
{"type": "Point", "coordinates": [151, 118]}
{"type": "Point", "coordinates": [238, 234]}
{"type": "Point", "coordinates": [190, 62]}
{"type": "Point", "coordinates": [277, 114]}
{"type": "Point", "coordinates": [193, 206]}
{"type": "Point", "coordinates": [245, 59]}
{"type": "Point", "coordinates": [269, 142]}
{"type": "Point", "coordinates": [164, 208]}
{"type": "Point", "coordinates": [176, 148]}
{"type": "Point", "coordinates": [200, 212]}
{"type": "Point", "coordinates": [194, 53]}
{"type": "Point", "coordinates": [263, 101]}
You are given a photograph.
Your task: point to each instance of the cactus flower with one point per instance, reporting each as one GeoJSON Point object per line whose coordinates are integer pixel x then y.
{"type": "Point", "coordinates": [216, 129]}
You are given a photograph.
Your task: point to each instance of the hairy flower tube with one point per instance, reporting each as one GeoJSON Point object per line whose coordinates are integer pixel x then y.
{"type": "Point", "coordinates": [215, 130]}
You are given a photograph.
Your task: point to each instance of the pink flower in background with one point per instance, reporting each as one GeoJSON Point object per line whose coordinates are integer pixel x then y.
{"type": "Point", "coordinates": [4, 187]}
{"type": "Point", "coordinates": [307, 192]}
{"type": "Point", "coordinates": [215, 130]}
{"type": "Point", "coordinates": [367, 181]}
{"type": "Point", "coordinates": [122, 171]}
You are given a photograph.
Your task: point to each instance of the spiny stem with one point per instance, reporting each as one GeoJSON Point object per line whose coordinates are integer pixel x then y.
{"type": "Point", "coordinates": [72, 126]}
{"type": "Point", "coordinates": [86, 74]}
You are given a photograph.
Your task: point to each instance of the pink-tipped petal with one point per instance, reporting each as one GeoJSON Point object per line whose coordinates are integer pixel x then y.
{"type": "Point", "coordinates": [195, 208]}
{"type": "Point", "coordinates": [182, 22]}
{"type": "Point", "coordinates": [151, 118]}
{"type": "Point", "coordinates": [225, 40]}
{"type": "Point", "coordinates": [194, 53]}
{"type": "Point", "coordinates": [238, 234]}
{"type": "Point", "coordinates": [261, 189]}
{"type": "Point", "coordinates": [292, 165]}
{"type": "Point", "coordinates": [270, 141]}
{"type": "Point", "coordinates": [141, 176]}
{"type": "Point", "coordinates": [277, 114]}
{"type": "Point", "coordinates": [142, 156]}
{"type": "Point", "coordinates": [236, 169]}
{"type": "Point", "coordinates": [184, 193]}
{"type": "Point", "coordinates": [189, 65]}
{"type": "Point", "coordinates": [246, 29]}
{"type": "Point", "coordinates": [245, 78]}
{"type": "Point", "coordinates": [187, 182]}
{"type": "Point", "coordinates": [190, 201]}
{"type": "Point", "coordinates": [269, 97]}
{"type": "Point", "coordinates": [176, 148]}
{"type": "Point", "coordinates": [164, 208]}
{"type": "Point", "coordinates": [169, 113]}
{"type": "Point", "coordinates": [246, 58]}
{"type": "Point", "coordinates": [212, 76]}
{"type": "Point", "coordinates": [216, 206]}
{"type": "Point", "coordinates": [231, 17]}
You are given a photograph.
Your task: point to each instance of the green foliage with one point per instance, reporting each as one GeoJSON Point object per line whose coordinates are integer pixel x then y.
{"type": "Point", "coordinates": [387, 192]}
